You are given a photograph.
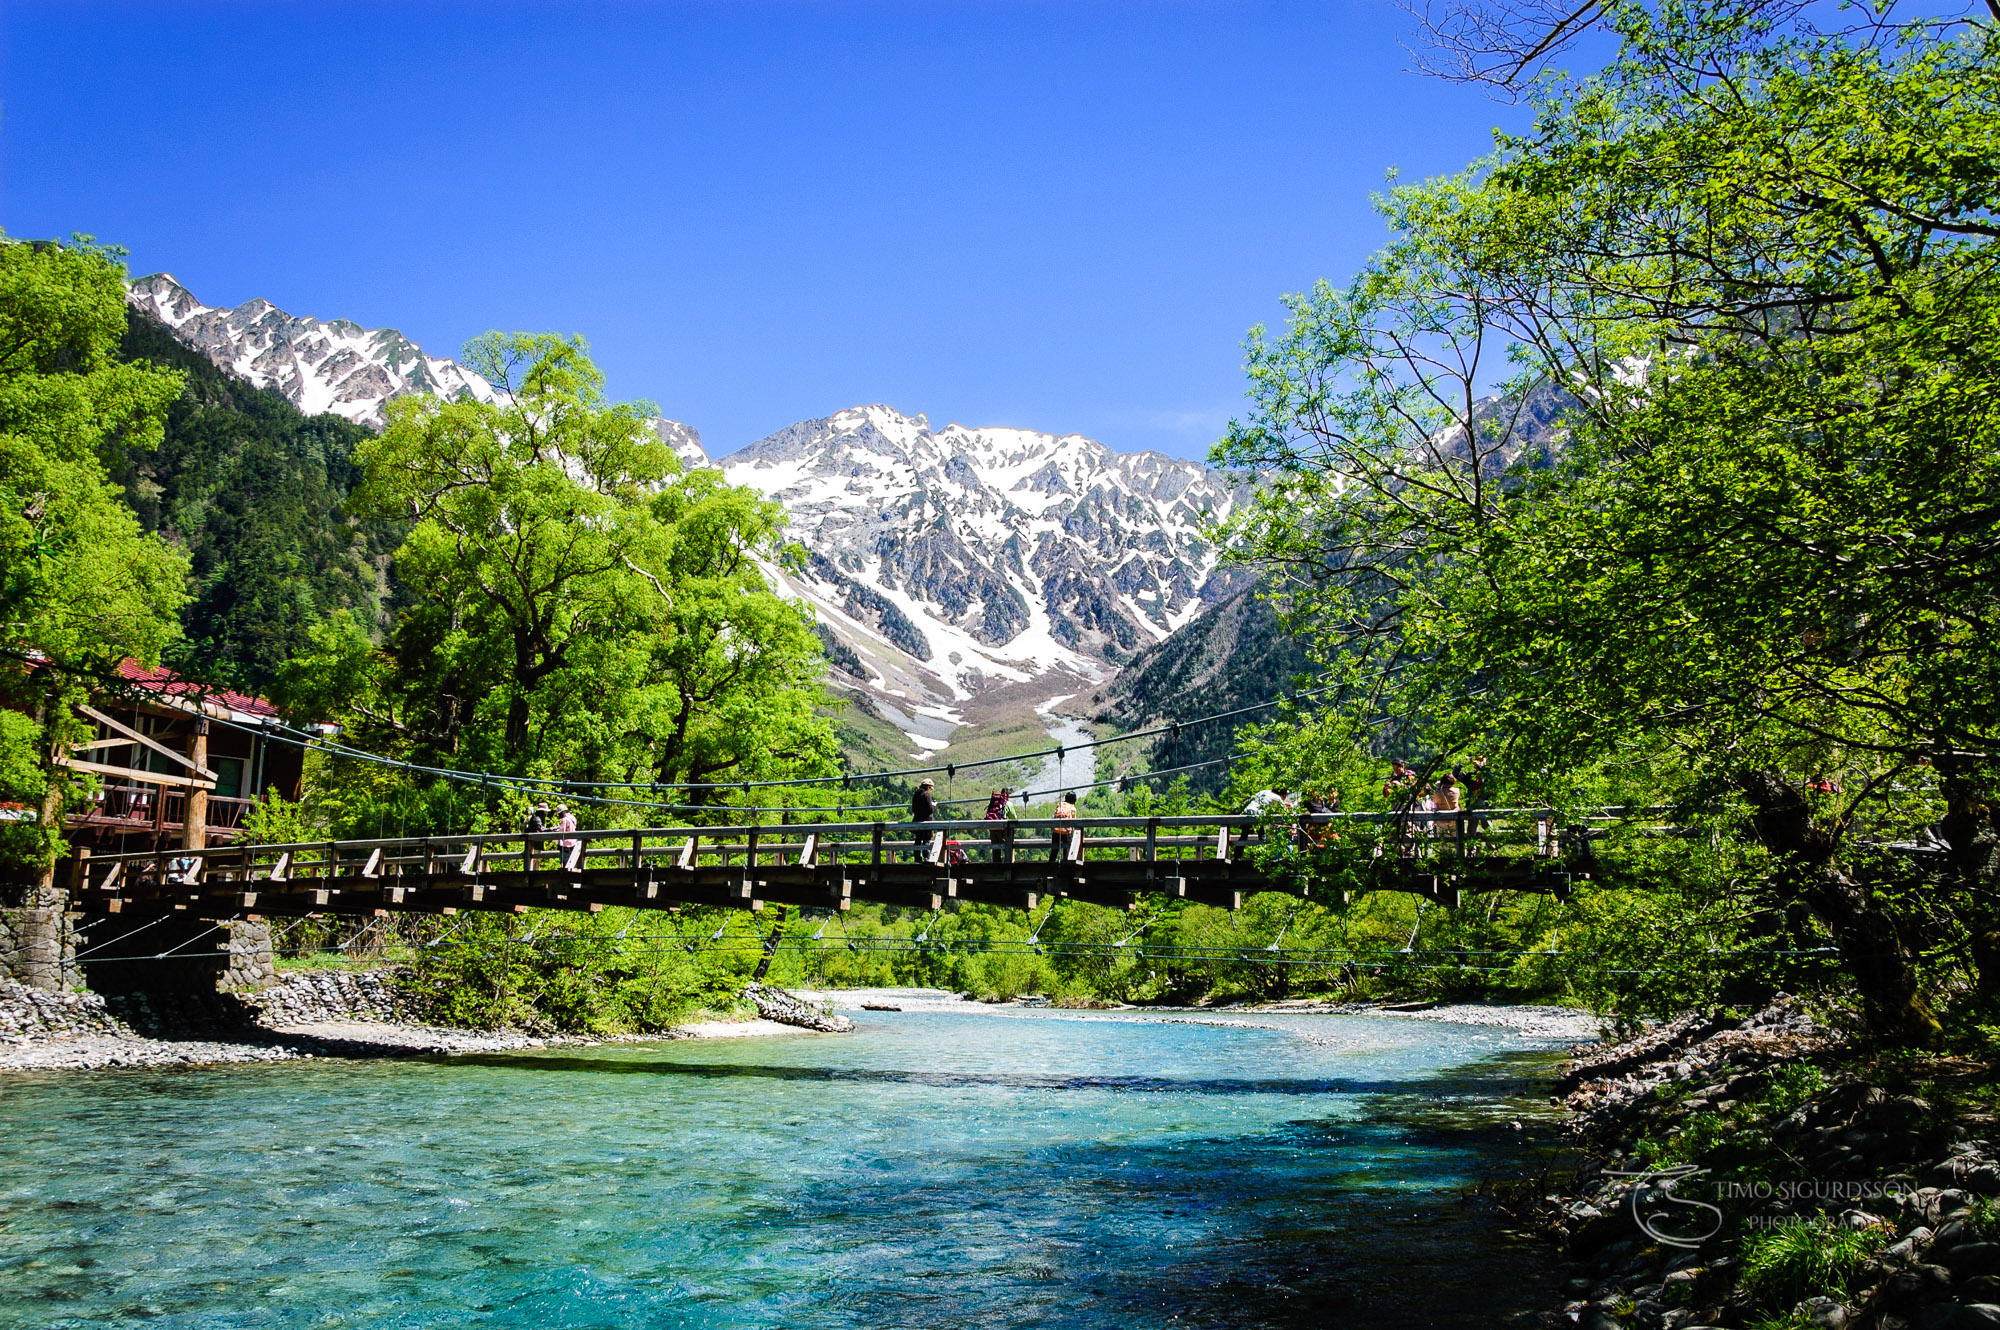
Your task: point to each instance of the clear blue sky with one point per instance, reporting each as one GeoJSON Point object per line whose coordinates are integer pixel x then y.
{"type": "Point", "coordinates": [1060, 216]}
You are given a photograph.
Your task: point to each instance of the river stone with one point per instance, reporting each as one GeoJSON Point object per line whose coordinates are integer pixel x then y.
{"type": "Point", "coordinates": [1973, 1258]}
{"type": "Point", "coordinates": [1920, 1284]}
{"type": "Point", "coordinates": [1824, 1313]}
{"type": "Point", "coordinates": [1960, 1316]}
{"type": "Point", "coordinates": [1599, 1316]}
{"type": "Point", "coordinates": [1905, 1250]}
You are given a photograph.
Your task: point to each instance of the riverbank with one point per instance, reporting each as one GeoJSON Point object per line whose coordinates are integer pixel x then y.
{"type": "Point", "coordinates": [320, 1014]}
{"type": "Point", "coordinates": [1530, 1021]}
{"type": "Point", "coordinates": [1765, 1172]}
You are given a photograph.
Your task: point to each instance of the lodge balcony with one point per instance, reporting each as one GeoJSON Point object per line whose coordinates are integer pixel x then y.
{"type": "Point", "coordinates": [158, 811]}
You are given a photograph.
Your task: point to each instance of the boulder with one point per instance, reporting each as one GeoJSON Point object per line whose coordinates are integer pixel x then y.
{"type": "Point", "coordinates": [1823, 1313]}
{"type": "Point", "coordinates": [1968, 1259]}
{"type": "Point", "coordinates": [1914, 1287]}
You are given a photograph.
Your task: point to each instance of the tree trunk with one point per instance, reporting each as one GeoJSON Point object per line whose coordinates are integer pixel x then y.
{"type": "Point", "coordinates": [1881, 964]}
{"type": "Point", "coordinates": [1971, 828]}
{"type": "Point", "coordinates": [194, 822]}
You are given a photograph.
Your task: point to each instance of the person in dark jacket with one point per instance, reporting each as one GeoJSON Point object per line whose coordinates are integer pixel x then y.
{"type": "Point", "coordinates": [536, 820]}
{"type": "Point", "coordinates": [923, 808]}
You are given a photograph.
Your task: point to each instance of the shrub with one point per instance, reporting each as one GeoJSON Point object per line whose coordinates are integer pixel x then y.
{"type": "Point", "coordinates": [1799, 1261]}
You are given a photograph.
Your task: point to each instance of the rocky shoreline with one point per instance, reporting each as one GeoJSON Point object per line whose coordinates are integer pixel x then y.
{"type": "Point", "coordinates": [315, 1014]}
{"type": "Point", "coordinates": [1758, 1173]}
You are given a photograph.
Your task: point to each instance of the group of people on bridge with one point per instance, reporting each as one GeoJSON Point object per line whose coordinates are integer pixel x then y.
{"type": "Point", "coordinates": [999, 808]}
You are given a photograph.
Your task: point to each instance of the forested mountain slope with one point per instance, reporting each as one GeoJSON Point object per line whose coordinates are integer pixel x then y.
{"type": "Point", "coordinates": [1235, 654]}
{"type": "Point", "coordinates": [253, 489]}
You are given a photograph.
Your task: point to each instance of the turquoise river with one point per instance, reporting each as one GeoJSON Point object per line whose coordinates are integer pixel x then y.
{"type": "Point", "coordinates": [934, 1169]}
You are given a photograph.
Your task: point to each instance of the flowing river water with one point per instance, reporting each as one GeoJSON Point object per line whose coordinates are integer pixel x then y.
{"type": "Point", "coordinates": [934, 1169]}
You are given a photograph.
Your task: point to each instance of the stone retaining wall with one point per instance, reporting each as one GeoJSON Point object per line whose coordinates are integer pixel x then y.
{"type": "Point", "coordinates": [251, 967]}
{"type": "Point", "coordinates": [34, 1013]}
{"type": "Point", "coordinates": [37, 937]}
{"type": "Point", "coordinates": [320, 996]}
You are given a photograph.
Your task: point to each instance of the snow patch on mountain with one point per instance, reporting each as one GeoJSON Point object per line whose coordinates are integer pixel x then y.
{"type": "Point", "coordinates": [943, 562]}
{"type": "Point", "coordinates": [336, 365]}
{"type": "Point", "coordinates": [959, 558]}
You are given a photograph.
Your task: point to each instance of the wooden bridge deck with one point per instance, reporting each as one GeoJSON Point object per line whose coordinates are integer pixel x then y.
{"type": "Point", "coordinates": [1107, 861]}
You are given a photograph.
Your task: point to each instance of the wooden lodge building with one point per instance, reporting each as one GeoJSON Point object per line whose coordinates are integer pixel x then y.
{"type": "Point", "coordinates": [181, 764]}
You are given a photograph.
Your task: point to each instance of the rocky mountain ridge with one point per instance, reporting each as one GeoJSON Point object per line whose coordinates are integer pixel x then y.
{"type": "Point", "coordinates": [333, 365]}
{"type": "Point", "coordinates": [953, 559]}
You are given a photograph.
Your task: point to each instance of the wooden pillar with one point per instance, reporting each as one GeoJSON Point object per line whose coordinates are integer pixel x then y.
{"type": "Point", "coordinates": [194, 822]}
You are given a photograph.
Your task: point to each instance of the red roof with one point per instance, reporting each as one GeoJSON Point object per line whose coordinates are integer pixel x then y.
{"type": "Point", "coordinates": [158, 679]}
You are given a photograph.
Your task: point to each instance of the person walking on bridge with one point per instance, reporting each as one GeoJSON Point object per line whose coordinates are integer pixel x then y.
{"type": "Point", "coordinates": [537, 820]}
{"type": "Point", "coordinates": [1000, 809]}
{"type": "Point", "coordinates": [923, 808]}
{"type": "Point", "coordinates": [1060, 838]}
{"type": "Point", "coordinates": [566, 825]}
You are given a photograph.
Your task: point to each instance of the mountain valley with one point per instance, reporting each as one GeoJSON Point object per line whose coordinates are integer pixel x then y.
{"type": "Point", "coordinates": [973, 586]}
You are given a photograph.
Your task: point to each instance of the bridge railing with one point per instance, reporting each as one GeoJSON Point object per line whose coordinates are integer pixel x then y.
{"type": "Point", "coordinates": [1529, 834]}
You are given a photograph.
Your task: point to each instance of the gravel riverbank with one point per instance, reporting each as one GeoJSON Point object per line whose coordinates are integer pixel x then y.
{"type": "Point", "coordinates": [323, 1014]}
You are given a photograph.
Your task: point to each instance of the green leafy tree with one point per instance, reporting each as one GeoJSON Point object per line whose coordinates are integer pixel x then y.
{"type": "Point", "coordinates": [1734, 520]}
{"type": "Point", "coordinates": [255, 492]}
{"type": "Point", "coordinates": [577, 605]}
{"type": "Point", "coordinates": [81, 585]}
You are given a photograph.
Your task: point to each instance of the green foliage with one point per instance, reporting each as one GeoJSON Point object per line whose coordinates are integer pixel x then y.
{"type": "Point", "coordinates": [1986, 1217]}
{"type": "Point", "coordinates": [575, 606]}
{"type": "Point", "coordinates": [276, 820]}
{"type": "Point", "coordinates": [23, 781]}
{"type": "Point", "coordinates": [1743, 1131]}
{"type": "Point", "coordinates": [1731, 522]}
{"type": "Point", "coordinates": [80, 582]}
{"type": "Point", "coordinates": [591, 974]}
{"type": "Point", "coordinates": [1803, 1260]}
{"type": "Point", "coordinates": [1791, 1086]}
{"type": "Point", "coordinates": [78, 579]}
{"type": "Point", "coordinates": [255, 492]}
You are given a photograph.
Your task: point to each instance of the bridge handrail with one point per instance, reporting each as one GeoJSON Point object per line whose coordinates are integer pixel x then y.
{"type": "Point", "coordinates": [776, 835]}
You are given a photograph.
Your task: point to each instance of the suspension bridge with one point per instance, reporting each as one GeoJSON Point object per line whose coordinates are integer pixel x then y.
{"type": "Point", "coordinates": [1111, 861]}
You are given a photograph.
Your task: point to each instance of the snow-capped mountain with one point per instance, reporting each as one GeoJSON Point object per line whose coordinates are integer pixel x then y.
{"type": "Point", "coordinates": [943, 562]}
{"type": "Point", "coordinates": [952, 559]}
{"type": "Point", "coordinates": [336, 366]}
